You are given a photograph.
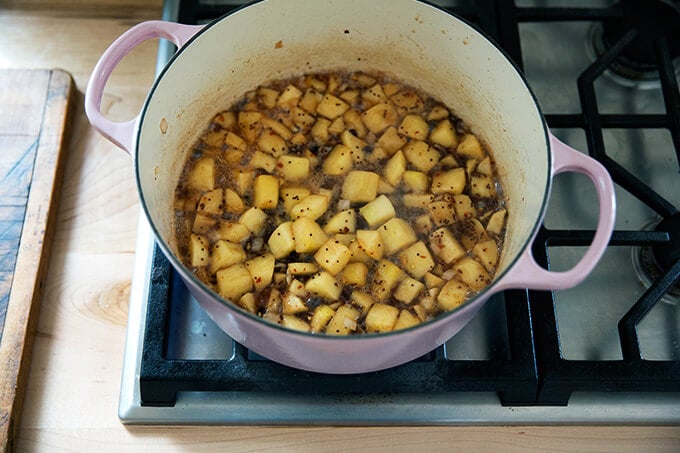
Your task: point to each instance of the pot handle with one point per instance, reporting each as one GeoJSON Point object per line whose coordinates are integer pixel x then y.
{"type": "Point", "coordinates": [122, 133]}
{"type": "Point", "coordinates": [526, 273]}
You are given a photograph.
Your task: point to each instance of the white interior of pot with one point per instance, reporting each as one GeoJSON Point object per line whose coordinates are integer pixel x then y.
{"type": "Point", "coordinates": [412, 41]}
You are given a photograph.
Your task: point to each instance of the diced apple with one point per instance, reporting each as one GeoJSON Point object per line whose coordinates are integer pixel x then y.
{"type": "Point", "coordinates": [433, 281]}
{"type": "Point", "coordinates": [463, 207]}
{"type": "Point", "coordinates": [233, 232]}
{"type": "Point", "coordinates": [395, 168]}
{"type": "Point", "coordinates": [358, 253]}
{"type": "Point", "coordinates": [263, 160]}
{"type": "Point", "coordinates": [496, 222]}
{"type": "Point", "coordinates": [226, 120]}
{"type": "Point", "coordinates": [482, 186]}
{"type": "Point", "coordinates": [202, 175]}
{"type": "Point", "coordinates": [381, 318]}
{"type": "Point", "coordinates": [308, 235]}
{"type": "Point", "coordinates": [234, 281]}
{"type": "Point", "coordinates": [261, 268]}
{"type": "Point", "coordinates": [355, 145]}
{"type": "Point", "coordinates": [417, 200]}
{"type": "Point", "coordinates": [215, 139]}
{"type": "Point", "coordinates": [333, 256]}
{"type": "Point", "coordinates": [267, 96]}
{"type": "Point", "coordinates": [471, 233]}
{"type": "Point", "coordinates": [405, 320]}
{"type": "Point", "coordinates": [341, 223]}
{"type": "Point", "coordinates": [310, 100]}
{"type": "Point", "coordinates": [254, 219]}
{"type": "Point", "coordinates": [416, 181]}
{"type": "Point", "coordinates": [324, 285]}
{"type": "Point", "coordinates": [199, 250]}
{"type": "Point", "coordinates": [203, 224]}
{"type": "Point", "coordinates": [472, 273]}
{"type": "Point", "coordinates": [292, 304]}
{"type": "Point", "coordinates": [469, 146]}
{"type": "Point", "coordinates": [423, 224]}
{"type": "Point", "coordinates": [385, 279]}
{"type": "Point", "coordinates": [337, 126]}
{"type": "Point", "coordinates": [487, 253]}
{"type": "Point", "coordinates": [233, 156]}
{"type": "Point", "coordinates": [293, 168]}
{"type": "Point", "coordinates": [421, 155]}
{"type": "Point", "coordinates": [344, 238]}
{"type": "Point", "coordinates": [289, 96]}
{"type": "Point", "coordinates": [450, 181]}
{"type": "Point", "coordinates": [374, 95]}
{"type": "Point", "coordinates": [354, 123]}
{"type": "Point", "coordinates": [378, 211]}
{"type": "Point", "coordinates": [233, 202]}
{"type": "Point", "coordinates": [224, 254]}
{"type": "Point", "coordinates": [272, 143]}
{"type": "Point", "coordinates": [331, 107]}
{"type": "Point", "coordinates": [442, 212]}
{"type": "Point", "coordinates": [416, 259]}
{"type": "Point", "coordinates": [211, 203]}
{"type": "Point", "coordinates": [297, 287]}
{"type": "Point", "coordinates": [294, 323]}
{"type": "Point", "coordinates": [371, 243]}
{"type": "Point", "coordinates": [452, 295]}
{"type": "Point", "coordinates": [445, 246]}
{"type": "Point", "coordinates": [249, 302]}
{"type": "Point", "coordinates": [444, 134]}
{"type": "Point", "coordinates": [292, 195]}
{"type": "Point", "coordinates": [438, 112]}
{"type": "Point", "coordinates": [322, 315]}
{"type": "Point", "coordinates": [266, 192]}
{"type": "Point", "coordinates": [243, 180]}
{"type": "Point", "coordinates": [362, 300]}
{"type": "Point", "coordinates": [485, 167]}
{"type": "Point", "coordinates": [339, 161]}
{"type": "Point", "coordinates": [312, 207]}
{"type": "Point", "coordinates": [354, 274]}
{"type": "Point", "coordinates": [360, 186]}
{"type": "Point", "coordinates": [380, 117]}
{"type": "Point", "coordinates": [407, 100]}
{"type": "Point", "coordinates": [302, 268]}
{"type": "Point", "coordinates": [391, 141]}
{"type": "Point", "coordinates": [249, 125]}
{"type": "Point", "coordinates": [385, 187]}
{"type": "Point", "coordinates": [396, 234]}
{"type": "Point", "coordinates": [344, 321]}
{"type": "Point", "coordinates": [320, 129]}
{"type": "Point", "coordinates": [408, 290]}
{"type": "Point", "coordinates": [414, 126]}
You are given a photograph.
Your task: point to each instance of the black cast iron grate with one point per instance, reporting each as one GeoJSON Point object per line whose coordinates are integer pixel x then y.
{"type": "Point", "coordinates": [533, 370]}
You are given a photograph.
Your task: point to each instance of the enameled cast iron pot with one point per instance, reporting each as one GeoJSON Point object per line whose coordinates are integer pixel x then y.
{"type": "Point", "coordinates": [414, 41]}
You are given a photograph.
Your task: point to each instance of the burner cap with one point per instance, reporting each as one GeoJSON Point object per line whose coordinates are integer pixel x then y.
{"type": "Point", "coordinates": [667, 254]}
{"type": "Point", "coordinates": [653, 19]}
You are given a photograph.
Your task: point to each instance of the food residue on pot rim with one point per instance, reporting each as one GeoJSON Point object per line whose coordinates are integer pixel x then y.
{"type": "Point", "coordinates": [278, 45]}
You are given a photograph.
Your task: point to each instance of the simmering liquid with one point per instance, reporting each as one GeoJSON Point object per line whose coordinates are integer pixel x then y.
{"type": "Point", "coordinates": [341, 203]}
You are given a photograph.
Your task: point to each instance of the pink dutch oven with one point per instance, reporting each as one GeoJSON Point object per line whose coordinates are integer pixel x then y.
{"type": "Point", "coordinates": [419, 44]}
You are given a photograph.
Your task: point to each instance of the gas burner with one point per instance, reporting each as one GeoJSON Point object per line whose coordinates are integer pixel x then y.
{"type": "Point", "coordinates": [652, 261]}
{"type": "Point", "coordinates": [637, 65]}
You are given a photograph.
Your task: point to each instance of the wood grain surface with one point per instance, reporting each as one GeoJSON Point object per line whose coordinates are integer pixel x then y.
{"type": "Point", "coordinates": [34, 107]}
{"type": "Point", "coordinates": [72, 392]}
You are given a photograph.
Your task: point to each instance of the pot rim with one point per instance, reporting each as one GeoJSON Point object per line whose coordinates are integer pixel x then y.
{"type": "Point", "coordinates": [471, 304]}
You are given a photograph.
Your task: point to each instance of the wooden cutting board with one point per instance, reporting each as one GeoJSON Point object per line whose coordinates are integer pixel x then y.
{"type": "Point", "coordinates": [34, 108]}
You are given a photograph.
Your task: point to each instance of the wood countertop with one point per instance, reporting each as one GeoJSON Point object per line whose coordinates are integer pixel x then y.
{"type": "Point", "coordinates": [71, 398]}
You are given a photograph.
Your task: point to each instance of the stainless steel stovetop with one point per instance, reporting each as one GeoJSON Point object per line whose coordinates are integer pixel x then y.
{"type": "Point", "coordinates": [554, 54]}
